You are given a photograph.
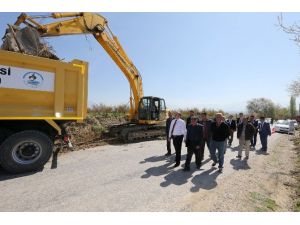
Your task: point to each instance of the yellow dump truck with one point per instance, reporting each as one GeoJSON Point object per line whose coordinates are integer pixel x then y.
{"type": "Point", "coordinates": [38, 94]}
{"type": "Point", "coordinates": [37, 97]}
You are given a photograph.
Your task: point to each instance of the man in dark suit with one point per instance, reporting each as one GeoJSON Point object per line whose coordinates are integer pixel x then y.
{"type": "Point", "coordinates": [194, 138]}
{"type": "Point", "coordinates": [168, 123]}
{"type": "Point", "coordinates": [206, 123]}
{"type": "Point", "coordinates": [254, 122]}
{"type": "Point", "coordinates": [264, 132]}
{"type": "Point", "coordinates": [232, 128]}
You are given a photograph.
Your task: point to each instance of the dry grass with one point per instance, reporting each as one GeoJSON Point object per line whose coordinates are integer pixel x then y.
{"type": "Point", "coordinates": [101, 108]}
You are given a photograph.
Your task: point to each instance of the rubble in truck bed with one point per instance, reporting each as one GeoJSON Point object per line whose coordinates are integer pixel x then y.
{"type": "Point", "coordinates": [27, 40]}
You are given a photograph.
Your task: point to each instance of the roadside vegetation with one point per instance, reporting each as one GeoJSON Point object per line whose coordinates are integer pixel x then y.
{"type": "Point", "coordinates": [296, 174]}
{"type": "Point", "coordinates": [263, 203]}
{"type": "Point", "coordinates": [95, 127]}
{"type": "Point", "coordinates": [100, 117]}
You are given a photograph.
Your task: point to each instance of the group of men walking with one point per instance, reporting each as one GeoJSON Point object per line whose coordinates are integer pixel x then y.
{"type": "Point", "coordinates": [216, 134]}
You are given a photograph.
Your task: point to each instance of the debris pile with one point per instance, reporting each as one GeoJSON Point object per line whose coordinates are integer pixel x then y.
{"type": "Point", "coordinates": [94, 129]}
{"type": "Point", "coordinates": [27, 40]}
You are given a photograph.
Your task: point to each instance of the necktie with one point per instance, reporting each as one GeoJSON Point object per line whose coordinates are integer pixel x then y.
{"type": "Point", "coordinates": [173, 128]}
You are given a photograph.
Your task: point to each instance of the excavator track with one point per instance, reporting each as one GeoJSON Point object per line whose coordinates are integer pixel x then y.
{"type": "Point", "coordinates": [133, 132]}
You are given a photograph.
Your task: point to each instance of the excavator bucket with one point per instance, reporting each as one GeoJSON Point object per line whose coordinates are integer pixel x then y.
{"type": "Point", "coordinates": [28, 41]}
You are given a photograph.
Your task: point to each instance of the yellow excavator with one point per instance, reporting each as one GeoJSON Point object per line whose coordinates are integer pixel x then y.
{"type": "Point", "coordinates": [146, 113]}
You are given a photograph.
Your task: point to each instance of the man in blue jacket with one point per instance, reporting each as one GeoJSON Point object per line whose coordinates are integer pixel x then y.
{"type": "Point", "coordinates": [264, 132]}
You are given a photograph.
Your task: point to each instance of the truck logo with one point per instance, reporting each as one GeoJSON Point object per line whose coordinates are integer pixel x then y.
{"type": "Point", "coordinates": [33, 79]}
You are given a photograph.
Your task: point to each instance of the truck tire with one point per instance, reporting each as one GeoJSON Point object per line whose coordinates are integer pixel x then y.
{"type": "Point", "coordinates": [4, 133]}
{"type": "Point", "coordinates": [25, 151]}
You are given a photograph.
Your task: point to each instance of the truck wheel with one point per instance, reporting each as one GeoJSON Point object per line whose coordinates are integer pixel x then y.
{"type": "Point", "coordinates": [4, 133]}
{"type": "Point", "coordinates": [25, 151]}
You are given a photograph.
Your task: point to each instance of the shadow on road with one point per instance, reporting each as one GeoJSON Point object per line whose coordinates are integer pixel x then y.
{"type": "Point", "coordinates": [238, 164]}
{"type": "Point", "coordinates": [205, 161]}
{"type": "Point", "coordinates": [159, 170]}
{"type": "Point", "coordinates": [233, 149]}
{"type": "Point", "coordinates": [205, 180]}
{"type": "Point", "coordinates": [176, 177]}
{"type": "Point", "coordinates": [8, 176]}
{"type": "Point", "coordinates": [179, 176]}
{"type": "Point", "coordinates": [156, 158]}
{"type": "Point", "coordinates": [162, 169]}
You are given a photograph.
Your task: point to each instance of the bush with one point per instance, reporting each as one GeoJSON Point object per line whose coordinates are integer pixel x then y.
{"type": "Point", "coordinates": [99, 129]}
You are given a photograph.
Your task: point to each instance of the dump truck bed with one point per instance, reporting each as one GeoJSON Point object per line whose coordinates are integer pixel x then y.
{"type": "Point", "coordinates": [35, 88]}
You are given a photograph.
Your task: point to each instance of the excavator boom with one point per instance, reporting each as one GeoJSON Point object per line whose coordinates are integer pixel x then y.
{"type": "Point", "coordinates": [95, 24]}
{"type": "Point", "coordinates": [144, 111]}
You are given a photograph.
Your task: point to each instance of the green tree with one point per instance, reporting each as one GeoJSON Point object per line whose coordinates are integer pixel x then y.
{"type": "Point", "coordinates": [293, 109]}
{"type": "Point", "coordinates": [262, 107]}
{"type": "Point", "coordinates": [281, 112]}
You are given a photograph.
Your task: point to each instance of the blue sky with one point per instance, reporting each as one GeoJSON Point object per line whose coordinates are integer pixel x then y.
{"type": "Point", "coordinates": [212, 60]}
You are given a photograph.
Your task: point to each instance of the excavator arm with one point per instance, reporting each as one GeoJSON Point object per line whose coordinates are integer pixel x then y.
{"type": "Point", "coordinates": [95, 24]}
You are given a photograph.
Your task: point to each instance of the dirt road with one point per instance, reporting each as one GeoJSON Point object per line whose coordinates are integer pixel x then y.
{"type": "Point", "coordinates": [138, 177]}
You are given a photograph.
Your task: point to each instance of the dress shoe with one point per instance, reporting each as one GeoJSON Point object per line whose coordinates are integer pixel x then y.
{"type": "Point", "coordinates": [214, 164]}
{"type": "Point", "coordinates": [176, 165]}
{"type": "Point", "coordinates": [167, 154]}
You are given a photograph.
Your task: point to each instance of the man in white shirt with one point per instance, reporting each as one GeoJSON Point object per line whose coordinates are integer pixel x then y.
{"type": "Point", "coordinates": [177, 132]}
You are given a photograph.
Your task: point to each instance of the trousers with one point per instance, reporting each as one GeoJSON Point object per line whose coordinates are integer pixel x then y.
{"type": "Point", "coordinates": [220, 146]}
{"type": "Point", "coordinates": [202, 147]}
{"type": "Point", "coordinates": [253, 140]}
{"type": "Point", "coordinates": [231, 132]}
{"type": "Point", "coordinates": [190, 151]}
{"type": "Point", "coordinates": [168, 145]}
{"type": "Point", "coordinates": [264, 142]}
{"type": "Point", "coordinates": [244, 144]}
{"type": "Point", "coordinates": [177, 142]}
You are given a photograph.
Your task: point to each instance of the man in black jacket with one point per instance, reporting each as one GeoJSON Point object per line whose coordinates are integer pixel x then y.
{"type": "Point", "coordinates": [168, 123]}
{"type": "Point", "coordinates": [245, 133]}
{"type": "Point", "coordinates": [220, 133]}
{"type": "Point", "coordinates": [194, 138]}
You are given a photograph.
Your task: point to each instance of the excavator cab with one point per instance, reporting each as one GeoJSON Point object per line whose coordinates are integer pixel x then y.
{"type": "Point", "coordinates": [152, 109]}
